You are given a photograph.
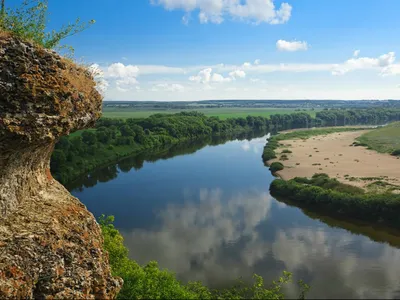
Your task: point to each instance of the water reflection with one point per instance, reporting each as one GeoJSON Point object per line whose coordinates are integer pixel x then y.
{"type": "Point", "coordinates": [194, 239]}
{"type": "Point", "coordinates": [207, 215]}
{"type": "Point", "coordinates": [136, 162]}
{"type": "Point", "coordinates": [223, 236]}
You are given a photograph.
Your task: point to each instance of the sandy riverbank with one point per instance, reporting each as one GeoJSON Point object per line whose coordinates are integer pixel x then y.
{"type": "Point", "coordinates": [333, 155]}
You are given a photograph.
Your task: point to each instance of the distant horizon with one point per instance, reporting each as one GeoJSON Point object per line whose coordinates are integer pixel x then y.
{"type": "Point", "coordinates": [251, 100]}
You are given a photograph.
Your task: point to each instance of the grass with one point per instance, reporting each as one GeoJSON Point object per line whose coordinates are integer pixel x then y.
{"type": "Point", "coordinates": [222, 113]}
{"type": "Point", "coordinates": [385, 139]}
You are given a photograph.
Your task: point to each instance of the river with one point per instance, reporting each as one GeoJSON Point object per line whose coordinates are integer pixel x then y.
{"type": "Point", "coordinates": [205, 213]}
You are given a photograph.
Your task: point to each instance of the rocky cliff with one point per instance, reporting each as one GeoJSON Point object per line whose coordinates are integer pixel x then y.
{"type": "Point", "coordinates": [50, 244]}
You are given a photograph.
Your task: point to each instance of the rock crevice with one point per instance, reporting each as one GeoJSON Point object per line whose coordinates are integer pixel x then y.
{"type": "Point", "coordinates": [50, 245]}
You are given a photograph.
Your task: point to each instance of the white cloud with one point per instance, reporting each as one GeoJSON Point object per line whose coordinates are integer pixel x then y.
{"type": "Point", "coordinates": [219, 78]}
{"type": "Point", "coordinates": [215, 11]}
{"type": "Point", "coordinates": [356, 53]}
{"type": "Point", "coordinates": [168, 87]}
{"type": "Point", "coordinates": [291, 46]}
{"type": "Point", "coordinates": [214, 79]}
{"type": "Point", "coordinates": [237, 74]}
{"type": "Point", "coordinates": [206, 76]}
{"type": "Point", "coordinates": [384, 61]}
{"type": "Point", "coordinates": [391, 70]}
{"type": "Point", "coordinates": [119, 70]}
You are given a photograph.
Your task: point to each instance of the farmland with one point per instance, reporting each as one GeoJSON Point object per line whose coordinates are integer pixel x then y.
{"type": "Point", "coordinates": [223, 113]}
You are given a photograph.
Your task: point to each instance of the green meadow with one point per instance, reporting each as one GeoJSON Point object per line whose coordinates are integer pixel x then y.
{"type": "Point", "coordinates": [385, 139]}
{"type": "Point", "coordinates": [222, 113]}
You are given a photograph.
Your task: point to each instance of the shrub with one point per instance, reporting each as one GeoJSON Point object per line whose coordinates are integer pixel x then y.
{"type": "Point", "coordinates": [276, 166]}
{"type": "Point", "coordinates": [286, 151]}
{"type": "Point", "coordinates": [283, 157]}
{"type": "Point", "coordinates": [396, 152]}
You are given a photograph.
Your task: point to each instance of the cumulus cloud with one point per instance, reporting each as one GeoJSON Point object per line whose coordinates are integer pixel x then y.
{"type": "Point", "coordinates": [237, 74]}
{"type": "Point", "coordinates": [119, 70]}
{"type": "Point", "coordinates": [215, 11]}
{"type": "Point", "coordinates": [385, 62]}
{"type": "Point", "coordinates": [291, 46]}
{"type": "Point", "coordinates": [206, 76]}
{"type": "Point", "coordinates": [246, 65]}
{"type": "Point", "coordinates": [219, 78]}
{"type": "Point", "coordinates": [125, 76]}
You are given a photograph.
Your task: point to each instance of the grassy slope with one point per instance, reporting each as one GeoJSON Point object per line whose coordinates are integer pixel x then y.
{"type": "Point", "coordinates": [385, 139]}
{"type": "Point", "coordinates": [222, 113]}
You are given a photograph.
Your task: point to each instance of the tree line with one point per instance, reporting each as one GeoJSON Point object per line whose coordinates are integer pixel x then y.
{"type": "Point", "coordinates": [112, 139]}
{"type": "Point", "coordinates": [329, 195]}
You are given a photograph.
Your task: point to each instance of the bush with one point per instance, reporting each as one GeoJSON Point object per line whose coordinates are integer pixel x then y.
{"type": "Point", "coordinates": [283, 157]}
{"type": "Point", "coordinates": [276, 166]}
{"type": "Point", "coordinates": [396, 152]}
{"type": "Point", "coordinates": [286, 151]}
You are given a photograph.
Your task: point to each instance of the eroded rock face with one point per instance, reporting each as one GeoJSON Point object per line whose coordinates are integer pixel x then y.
{"type": "Point", "coordinates": [50, 245]}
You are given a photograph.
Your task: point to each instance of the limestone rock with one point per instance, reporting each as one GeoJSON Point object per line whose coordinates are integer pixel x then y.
{"type": "Point", "coordinates": [50, 244]}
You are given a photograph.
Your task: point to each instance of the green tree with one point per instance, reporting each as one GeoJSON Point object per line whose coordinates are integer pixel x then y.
{"type": "Point", "coordinates": [127, 131]}
{"type": "Point", "coordinates": [89, 137]}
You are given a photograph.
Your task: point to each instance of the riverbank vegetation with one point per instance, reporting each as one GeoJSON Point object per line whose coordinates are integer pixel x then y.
{"type": "Point", "coordinates": [113, 139]}
{"type": "Point", "coordinates": [150, 282]}
{"type": "Point", "coordinates": [327, 194]}
{"type": "Point", "coordinates": [385, 139]}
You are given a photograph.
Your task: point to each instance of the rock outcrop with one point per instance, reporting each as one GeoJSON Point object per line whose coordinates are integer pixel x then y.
{"type": "Point", "coordinates": [50, 244]}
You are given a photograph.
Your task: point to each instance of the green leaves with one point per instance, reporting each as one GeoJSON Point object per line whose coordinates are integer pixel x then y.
{"type": "Point", "coordinates": [29, 22]}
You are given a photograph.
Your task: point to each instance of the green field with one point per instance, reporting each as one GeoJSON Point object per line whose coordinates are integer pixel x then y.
{"type": "Point", "coordinates": [222, 113]}
{"type": "Point", "coordinates": [385, 139]}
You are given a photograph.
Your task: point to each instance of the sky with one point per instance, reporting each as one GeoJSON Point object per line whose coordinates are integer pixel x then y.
{"type": "Point", "coordinates": [238, 49]}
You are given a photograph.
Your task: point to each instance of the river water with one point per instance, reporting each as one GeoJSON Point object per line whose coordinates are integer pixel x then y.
{"type": "Point", "coordinates": [205, 213]}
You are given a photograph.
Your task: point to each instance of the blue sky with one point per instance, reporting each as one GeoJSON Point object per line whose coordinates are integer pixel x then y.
{"type": "Point", "coordinates": [239, 49]}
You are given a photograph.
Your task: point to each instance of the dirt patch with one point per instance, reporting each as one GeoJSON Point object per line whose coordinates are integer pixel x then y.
{"type": "Point", "coordinates": [333, 154]}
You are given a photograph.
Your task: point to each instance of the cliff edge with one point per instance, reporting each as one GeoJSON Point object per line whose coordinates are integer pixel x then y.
{"type": "Point", "coordinates": [50, 244]}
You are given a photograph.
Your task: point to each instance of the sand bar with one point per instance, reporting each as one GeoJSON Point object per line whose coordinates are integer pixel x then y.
{"type": "Point", "coordinates": [333, 155]}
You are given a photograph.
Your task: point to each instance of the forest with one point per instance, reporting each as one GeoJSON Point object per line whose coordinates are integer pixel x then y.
{"type": "Point", "coordinates": [113, 139]}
